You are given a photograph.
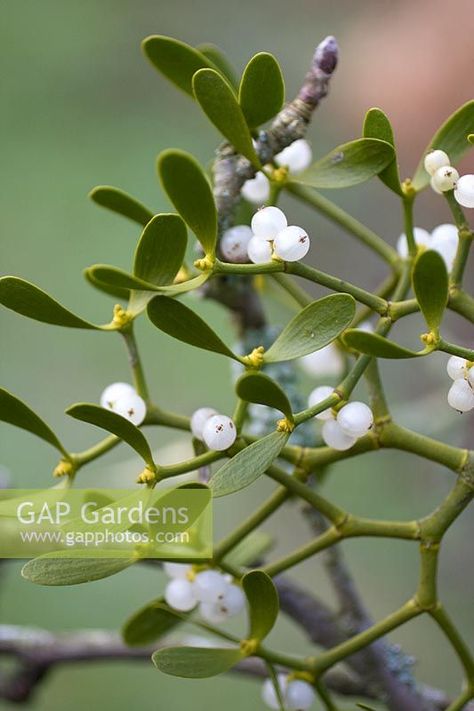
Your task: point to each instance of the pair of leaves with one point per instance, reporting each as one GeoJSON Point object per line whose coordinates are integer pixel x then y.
{"type": "Point", "coordinates": [201, 662]}
{"type": "Point", "coordinates": [158, 257]}
{"type": "Point", "coordinates": [349, 164]}
{"type": "Point", "coordinates": [430, 283]}
{"type": "Point", "coordinates": [452, 137]}
{"type": "Point", "coordinates": [312, 328]}
{"type": "Point", "coordinates": [17, 413]}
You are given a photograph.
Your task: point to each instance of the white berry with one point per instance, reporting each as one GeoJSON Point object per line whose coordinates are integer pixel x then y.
{"type": "Point", "coordinates": [179, 594]}
{"type": "Point", "coordinates": [318, 395]}
{"type": "Point", "coordinates": [326, 362]}
{"type": "Point", "coordinates": [132, 407]}
{"type": "Point", "coordinates": [291, 244]}
{"type": "Point", "coordinates": [210, 586]}
{"type": "Point", "coordinates": [456, 367]}
{"type": "Point", "coordinates": [445, 178]}
{"type": "Point", "coordinates": [269, 696]}
{"type": "Point", "coordinates": [435, 160]}
{"type": "Point", "coordinates": [444, 240]}
{"type": "Point", "coordinates": [422, 239]}
{"type": "Point", "coordinates": [199, 419]}
{"type": "Point", "coordinates": [296, 157]}
{"type": "Point", "coordinates": [233, 243]}
{"type": "Point", "coordinates": [256, 190]}
{"type": "Point", "coordinates": [219, 432]}
{"type": "Point", "coordinates": [355, 418]}
{"type": "Point", "coordinates": [113, 393]}
{"type": "Point", "coordinates": [233, 600]}
{"type": "Point", "coordinates": [212, 613]}
{"type": "Point", "coordinates": [461, 396]}
{"type": "Point", "coordinates": [268, 221]}
{"type": "Point", "coordinates": [259, 250]}
{"type": "Point", "coordinates": [464, 192]}
{"type": "Point", "coordinates": [470, 376]}
{"type": "Point", "coordinates": [434, 186]}
{"type": "Point", "coordinates": [177, 570]}
{"type": "Point", "coordinates": [335, 437]}
{"type": "Point", "coordinates": [299, 695]}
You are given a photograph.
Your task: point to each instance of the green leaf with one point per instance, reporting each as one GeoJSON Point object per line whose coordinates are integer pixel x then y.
{"type": "Point", "coordinates": [62, 568]}
{"type": "Point", "coordinates": [430, 283]}
{"type": "Point", "coordinates": [349, 164]}
{"type": "Point", "coordinates": [28, 300]}
{"type": "Point", "coordinates": [451, 138]}
{"type": "Point", "coordinates": [250, 550]}
{"type": "Point", "coordinates": [121, 202]}
{"type": "Point", "coordinates": [377, 125]}
{"type": "Point", "coordinates": [313, 328]}
{"type": "Point", "coordinates": [176, 60]}
{"type": "Point", "coordinates": [375, 345]}
{"type": "Point", "coordinates": [364, 706]}
{"type": "Point", "coordinates": [16, 413]}
{"type": "Point", "coordinates": [217, 57]}
{"type": "Point", "coordinates": [114, 423]}
{"type": "Point", "coordinates": [161, 249]}
{"type": "Point", "coordinates": [119, 280]}
{"type": "Point", "coordinates": [150, 623]}
{"type": "Point", "coordinates": [195, 662]}
{"type": "Point", "coordinates": [259, 388]}
{"type": "Point", "coordinates": [115, 291]}
{"type": "Point", "coordinates": [175, 319]}
{"type": "Point", "coordinates": [248, 465]}
{"type": "Point", "coordinates": [219, 102]}
{"type": "Point", "coordinates": [262, 598]}
{"type": "Point", "coordinates": [189, 191]}
{"type": "Point", "coordinates": [262, 89]}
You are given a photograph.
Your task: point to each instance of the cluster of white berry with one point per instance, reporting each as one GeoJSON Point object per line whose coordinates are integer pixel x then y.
{"type": "Point", "coordinates": [216, 594]}
{"type": "Point", "coordinates": [123, 399]}
{"type": "Point", "coordinates": [444, 239]}
{"type": "Point", "coordinates": [461, 392]}
{"type": "Point", "coordinates": [272, 236]}
{"type": "Point", "coordinates": [444, 178]}
{"type": "Point", "coordinates": [217, 431]}
{"type": "Point", "coordinates": [296, 158]}
{"type": "Point", "coordinates": [297, 694]}
{"type": "Point", "coordinates": [341, 430]}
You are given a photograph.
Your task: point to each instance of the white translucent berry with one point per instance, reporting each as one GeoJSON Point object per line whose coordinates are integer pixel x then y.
{"type": "Point", "coordinates": [435, 160]}
{"type": "Point", "coordinates": [355, 418]}
{"type": "Point", "coordinates": [366, 326]}
{"type": "Point", "coordinates": [177, 570]}
{"type": "Point", "coordinates": [326, 362]}
{"type": "Point", "coordinates": [269, 696]}
{"type": "Point", "coordinates": [179, 594]}
{"type": "Point", "coordinates": [318, 395]}
{"type": "Point", "coordinates": [259, 251]}
{"type": "Point", "coordinates": [299, 695]}
{"type": "Point", "coordinates": [456, 367]}
{"type": "Point", "coordinates": [470, 376]}
{"type": "Point", "coordinates": [233, 600]}
{"type": "Point", "coordinates": [296, 157]}
{"type": "Point", "coordinates": [445, 178]}
{"type": "Point", "coordinates": [461, 396]}
{"type": "Point", "coordinates": [132, 407]}
{"type": "Point", "coordinates": [434, 186]}
{"type": "Point", "coordinates": [199, 419]}
{"type": "Point", "coordinates": [268, 222]}
{"type": "Point", "coordinates": [444, 240]}
{"type": "Point", "coordinates": [256, 190]}
{"type": "Point", "coordinates": [291, 244]}
{"type": "Point", "coordinates": [113, 392]}
{"type": "Point", "coordinates": [233, 243]}
{"type": "Point", "coordinates": [219, 432]}
{"type": "Point", "coordinates": [422, 239]}
{"type": "Point", "coordinates": [212, 613]}
{"type": "Point", "coordinates": [335, 437]}
{"type": "Point", "coordinates": [464, 192]}
{"type": "Point", "coordinates": [210, 586]}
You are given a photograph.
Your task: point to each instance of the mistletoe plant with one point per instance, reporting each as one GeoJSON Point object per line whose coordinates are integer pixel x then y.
{"type": "Point", "coordinates": [271, 432]}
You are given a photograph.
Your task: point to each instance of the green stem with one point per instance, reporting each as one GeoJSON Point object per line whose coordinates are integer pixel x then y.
{"type": "Point", "coordinates": [339, 285]}
{"type": "Point", "coordinates": [462, 303]}
{"type": "Point", "coordinates": [135, 362]}
{"type": "Point", "coordinates": [190, 465]}
{"type": "Point", "coordinates": [88, 455]}
{"type": "Point", "coordinates": [465, 240]}
{"type": "Point", "coordinates": [325, 540]}
{"type": "Point", "coordinates": [344, 220]}
{"type": "Point", "coordinates": [442, 618]}
{"type": "Point", "coordinates": [453, 349]}
{"type": "Point", "coordinates": [396, 437]}
{"type": "Point", "coordinates": [407, 203]}
{"type": "Point", "coordinates": [301, 296]}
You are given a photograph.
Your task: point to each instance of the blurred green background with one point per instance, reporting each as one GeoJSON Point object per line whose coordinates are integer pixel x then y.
{"type": "Point", "coordinates": [80, 107]}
